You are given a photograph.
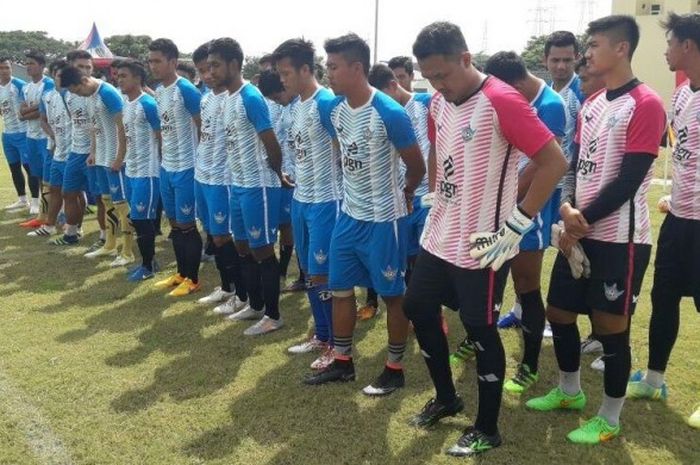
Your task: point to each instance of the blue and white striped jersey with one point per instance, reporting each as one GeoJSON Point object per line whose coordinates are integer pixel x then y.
{"type": "Point", "coordinates": [141, 123]}
{"type": "Point", "coordinates": [211, 166]}
{"type": "Point", "coordinates": [370, 137]}
{"type": "Point", "coordinates": [177, 105]}
{"type": "Point", "coordinates": [11, 97]}
{"type": "Point", "coordinates": [54, 107]}
{"type": "Point", "coordinates": [103, 106]}
{"type": "Point", "coordinates": [573, 98]}
{"type": "Point", "coordinates": [319, 175]}
{"type": "Point", "coordinates": [283, 131]}
{"type": "Point", "coordinates": [80, 138]}
{"type": "Point", "coordinates": [33, 91]}
{"type": "Point", "coordinates": [245, 116]}
{"type": "Point", "coordinates": [417, 109]}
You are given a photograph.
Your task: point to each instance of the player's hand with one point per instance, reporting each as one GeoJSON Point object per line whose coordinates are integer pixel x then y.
{"type": "Point", "coordinates": [426, 201]}
{"type": "Point", "coordinates": [117, 165]}
{"type": "Point", "coordinates": [287, 182]}
{"type": "Point", "coordinates": [573, 251]}
{"type": "Point", "coordinates": [409, 196]}
{"type": "Point", "coordinates": [494, 249]}
{"type": "Point", "coordinates": [664, 204]}
{"type": "Point", "coordinates": [90, 160]}
{"type": "Point", "coordinates": [574, 222]}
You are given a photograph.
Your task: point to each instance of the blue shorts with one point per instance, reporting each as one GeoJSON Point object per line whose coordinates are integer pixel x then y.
{"type": "Point", "coordinates": [540, 237]}
{"type": "Point", "coordinates": [93, 183]}
{"type": "Point", "coordinates": [416, 223]}
{"type": "Point", "coordinates": [75, 177]}
{"type": "Point", "coordinates": [112, 183]}
{"type": "Point", "coordinates": [313, 224]}
{"type": "Point", "coordinates": [214, 208]}
{"type": "Point", "coordinates": [255, 214]}
{"type": "Point", "coordinates": [46, 169]}
{"type": "Point", "coordinates": [143, 197]}
{"type": "Point", "coordinates": [15, 147]}
{"type": "Point", "coordinates": [58, 168]}
{"type": "Point", "coordinates": [37, 154]}
{"type": "Point", "coordinates": [177, 192]}
{"type": "Point", "coordinates": [369, 254]}
{"type": "Point", "coordinates": [286, 206]}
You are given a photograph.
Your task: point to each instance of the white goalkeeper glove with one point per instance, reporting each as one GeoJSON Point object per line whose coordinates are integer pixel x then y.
{"type": "Point", "coordinates": [578, 261]}
{"type": "Point", "coordinates": [495, 248]}
{"type": "Point", "coordinates": [426, 201]}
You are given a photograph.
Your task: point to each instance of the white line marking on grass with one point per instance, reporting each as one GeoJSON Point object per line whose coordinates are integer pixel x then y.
{"type": "Point", "coordinates": [46, 445]}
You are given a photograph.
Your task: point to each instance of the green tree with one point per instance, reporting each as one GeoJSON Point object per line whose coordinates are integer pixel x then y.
{"type": "Point", "coordinates": [480, 58]}
{"type": "Point", "coordinates": [533, 53]}
{"type": "Point", "coordinates": [15, 43]}
{"type": "Point", "coordinates": [251, 67]}
{"type": "Point", "coordinates": [129, 45]}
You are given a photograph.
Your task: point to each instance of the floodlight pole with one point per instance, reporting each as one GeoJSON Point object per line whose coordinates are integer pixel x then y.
{"type": "Point", "coordinates": [376, 28]}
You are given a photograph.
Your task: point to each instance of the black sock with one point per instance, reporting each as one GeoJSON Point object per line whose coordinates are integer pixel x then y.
{"type": "Point", "coordinates": [192, 253]}
{"type": "Point", "coordinates": [18, 178]}
{"type": "Point", "coordinates": [34, 186]}
{"type": "Point", "coordinates": [251, 273]}
{"type": "Point", "coordinates": [270, 274]}
{"type": "Point", "coordinates": [532, 326]}
{"type": "Point", "coordinates": [410, 263]}
{"type": "Point", "coordinates": [145, 240]}
{"type": "Point", "coordinates": [226, 258]}
{"type": "Point", "coordinates": [618, 362]}
{"type": "Point", "coordinates": [302, 275]}
{"type": "Point", "coordinates": [491, 369]}
{"type": "Point", "coordinates": [663, 327]}
{"type": "Point", "coordinates": [427, 325]}
{"type": "Point", "coordinates": [209, 247]}
{"type": "Point", "coordinates": [567, 346]}
{"type": "Point", "coordinates": [372, 298]}
{"type": "Point", "coordinates": [177, 239]}
{"type": "Point", "coordinates": [159, 217]}
{"type": "Point", "coordinates": [285, 257]}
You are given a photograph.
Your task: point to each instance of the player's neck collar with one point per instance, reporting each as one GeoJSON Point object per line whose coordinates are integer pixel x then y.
{"type": "Point", "coordinates": [612, 94]}
{"type": "Point", "coordinates": [476, 91]}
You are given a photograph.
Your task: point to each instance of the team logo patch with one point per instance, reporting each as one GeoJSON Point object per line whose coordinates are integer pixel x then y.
{"type": "Point", "coordinates": [254, 233]}
{"type": "Point", "coordinates": [220, 217]}
{"type": "Point", "coordinates": [390, 273]}
{"type": "Point", "coordinates": [320, 257]}
{"type": "Point", "coordinates": [186, 209]}
{"type": "Point", "coordinates": [114, 189]}
{"type": "Point", "coordinates": [635, 298]}
{"type": "Point", "coordinates": [325, 296]}
{"type": "Point", "coordinates": [611, 292]}
{"type": "Point", "coordinates": [287, 209]}
{"type": "Point", "coordinates": [468, 133]}
{"type": "Point", "coordinates": [140, 207]}
{"type": "Point", "coordinates": [612, 121]}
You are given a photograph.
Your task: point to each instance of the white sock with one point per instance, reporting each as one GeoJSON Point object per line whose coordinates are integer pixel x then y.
{"type": "Point", "coordinates": [71, 230]}
{"type": "Point", "coordinates": [611, 408]}
{"type": "Point", "coordinates": [22, 198]}
{"type": "Point", "coordinates": [654, 378]}
{"type": "Point", "coordinates": [103, 234]}
{"type": "Point", "coordinates": [570, 382]}
{"type": "Point", "coordinates": [50, 228]}
{"type": "Point", "coordinates": [35, 202]}
{"type": "Point", "coordinates": [518, 310]}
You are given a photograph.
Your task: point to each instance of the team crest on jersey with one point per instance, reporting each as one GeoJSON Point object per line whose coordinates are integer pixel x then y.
{"type": "Point", "coordinates": [186, 209]}
{"type": "Point", "coordinates": [368, 134]}
{"type": "Point", "coordinates": [114, 189]}
{"type": "Point", "coordinates": [611, 292]}
{"type": "Point", "coordinates": [287, 209]}
{"type": "Point", "coordinates": [390, 273]}
{"type": "Point", "coordinates": [320, 257]}
{"type": "Point", "coordinates": [612, 121]}
{"type": "Point", "coordinates": [220, 217]}
{"type": "Point", "coordinates": [140, 207]}
{"type": "Point", "coordinates": [254, 233]}
{"type": "Point", "coordinates": [468, 133]}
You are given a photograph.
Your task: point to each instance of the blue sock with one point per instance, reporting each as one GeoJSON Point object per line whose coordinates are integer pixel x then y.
{"type": "Point", "coordinates": [326, 299]}
{"type": "Point", "coordinates": [320, 322]}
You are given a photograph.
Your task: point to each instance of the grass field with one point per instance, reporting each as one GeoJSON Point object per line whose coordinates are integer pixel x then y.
{"type": "Point", "coordinates": [95, 370]}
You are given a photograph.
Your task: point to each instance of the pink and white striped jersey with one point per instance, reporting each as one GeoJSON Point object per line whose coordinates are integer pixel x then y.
{"type": "Point", "coordinates": [685, 192]}
{"type": "Point", "coordinates": [633, 122]}
{"type": "Point", "coordinates": [478, 144]}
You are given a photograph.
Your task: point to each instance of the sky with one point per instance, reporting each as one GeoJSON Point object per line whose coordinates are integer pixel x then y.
{"type": "Point", "coordinates": [259, 26]}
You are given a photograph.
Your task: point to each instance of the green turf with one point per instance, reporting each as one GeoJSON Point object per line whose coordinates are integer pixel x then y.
{"type": "Point", "coordinates": [124, 375]}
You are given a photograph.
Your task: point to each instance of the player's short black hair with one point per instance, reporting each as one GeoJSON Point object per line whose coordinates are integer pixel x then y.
{"type": "Point", "coordinates": [509, 67]}
{"type": "Point", "coordinates": [618, 28]}
{"type": "Point", "coordinates": [78, 55]}
{"type": "Point", "coordinates": [270, 83]}
{"type": "Point", "coordinates": [56, 65]}
{"type": "Point", "coordinates": [187, 68]}
{"type": "Point", "coordinates": [561, 39]}
{"type": "Point", "coordinates": [115, 63]}
{"type": "Point", "coordinates": [439, 38]}
{"type": "Point", "coordinates": [267, 58]}
{"type": "Point", "coordinates": [402, 62]}
{"type": "Point", "coordinates": [683, 27]}
{"type": "Point", "coordinates": [201, 53]}
{"type": "Point", "coordinates": [135, 67]}
{"type": "Point", "coordinates": [380, 75]}
{"type": "Point", "coordinates": [165, 46]}
{"type": "Point", "coordinates": [299, 51]}
{"type": "Point", "coordinates": [581, 63]}
{"type": "Point", "coordinates": [36, 55]}
{"type": "Point", "coordinates": [71, 76]}
{"type": "Point", "coordinates": [228, 49]}
{"type": "Point", "coordinates": [351, 47]}
{"type": "Point", "coordinates": [4, 58]}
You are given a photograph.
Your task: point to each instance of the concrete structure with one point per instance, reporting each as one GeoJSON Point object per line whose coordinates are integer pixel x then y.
{"type": "Point", "coordinates": [649, 63]}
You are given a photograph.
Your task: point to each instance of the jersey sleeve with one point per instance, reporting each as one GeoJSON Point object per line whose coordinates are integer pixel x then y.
{"type": "Point", "coordinates": [49, 85]}
{"type": "Point", "coordinates": [519, 124]}
{"type": "Point", "coordinates": [112, 100]}
{"type": "Point", "coordinates": [326, 102]}
{"type": "Point", "coordinates": [150, 109]}
{"type": "Point", "coordinates": [19, 84]}
{"type": "Point", "coordinates": [553, 115]}
{"type": "Point", "coordinates": [257, 110]}
{"type": "Point", "coordinates": [424, 98]}
{"type": "Point", "coordinates": [42, 105]}
{"type": "Point", "coordinates": [190, 96]}
{"type": "Point", "coordinates": [646, 127]}
{"type": "Point", "coordinates": [398, 125]}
